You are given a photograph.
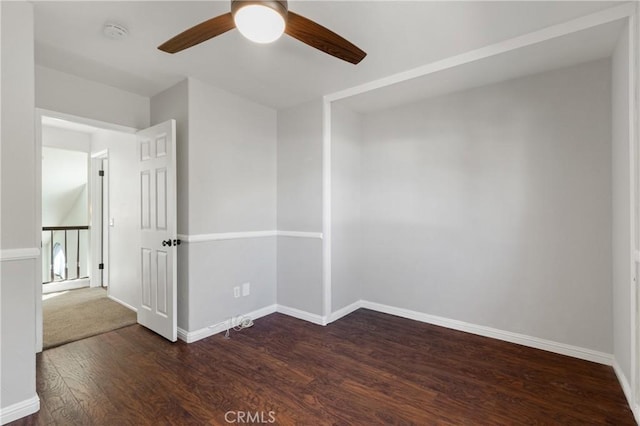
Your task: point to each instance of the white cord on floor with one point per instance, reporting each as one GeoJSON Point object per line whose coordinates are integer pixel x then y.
{"type": "Point", "coordinates": [241, 322]}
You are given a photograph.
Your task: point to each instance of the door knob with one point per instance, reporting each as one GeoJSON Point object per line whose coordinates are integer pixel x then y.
{"type": "Point", "coordinates": [166, 243]}
{"type": "Point", "coordinates": [176, 242]}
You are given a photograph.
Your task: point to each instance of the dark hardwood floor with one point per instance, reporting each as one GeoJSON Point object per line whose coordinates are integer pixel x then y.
{"type": "Point", "coordinates": [365, 369]}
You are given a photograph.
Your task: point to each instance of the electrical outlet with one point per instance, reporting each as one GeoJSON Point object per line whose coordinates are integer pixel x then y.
{"type": "Point", "coordinates": [236, 291]}
{"type": "Point", "coordinates": [246, 289]}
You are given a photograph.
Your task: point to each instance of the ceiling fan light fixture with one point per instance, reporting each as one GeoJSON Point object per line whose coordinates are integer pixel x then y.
{"type": "Point", "coordinates": [264, 21]}
{"type": "Point", "coordinates": [260, 21]}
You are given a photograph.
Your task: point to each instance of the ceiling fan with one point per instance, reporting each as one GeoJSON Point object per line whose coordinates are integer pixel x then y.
{"type": "Point", "coordinates": [265, 22]}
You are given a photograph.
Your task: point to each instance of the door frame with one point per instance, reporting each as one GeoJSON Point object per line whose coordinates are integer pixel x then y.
{"type": "Point", "coordinates": [39, 114]}
{"type": "Point", "coordinates": [98, 205]}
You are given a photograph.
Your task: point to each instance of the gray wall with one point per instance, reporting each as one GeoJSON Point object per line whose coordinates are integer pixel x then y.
{"type": "Point", "coordinates": [18, 278]}
{"type": "Point", "coordinates": [215, 267]}
{"type": "Point", "coordinates": [173, 104]}
{"type": "Point", "coordinates": [232, 187]}
{"type": "Point", "coordinates": [300, 168]}
{"type": "Point", "coordinates": [227, 176]}
{"type": "Point", "coordinates": [492, 206]}
{"type": "Point", "coordinates": [232, 162]}
{"type": "Point", "coordinates": [346, 224]}
{"type": "Point", "coordinates": [167, 105]}
{"type": "Point", "coordinates": [621, 238]}
{"type": "Point", "coordinates": [62, 92]}
{"type": "Point", "coordinates": [300, 207]}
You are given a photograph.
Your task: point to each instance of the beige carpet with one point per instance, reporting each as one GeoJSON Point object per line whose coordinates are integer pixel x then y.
{"type": "Point", "coordinates": [76, 314]}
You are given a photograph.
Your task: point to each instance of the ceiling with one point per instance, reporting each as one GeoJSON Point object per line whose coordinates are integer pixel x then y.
{"type": "Point", "coordinates": [397, 36]}
{"type": "Point", "coordinates": [575, 48]}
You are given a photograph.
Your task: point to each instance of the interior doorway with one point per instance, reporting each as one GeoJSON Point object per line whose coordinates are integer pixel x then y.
{"type": "Point", "coordinates": [78, 265]}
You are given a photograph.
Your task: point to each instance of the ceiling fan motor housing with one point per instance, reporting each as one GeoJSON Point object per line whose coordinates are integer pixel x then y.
{"type": "Point", "coordinates": [279, 6]}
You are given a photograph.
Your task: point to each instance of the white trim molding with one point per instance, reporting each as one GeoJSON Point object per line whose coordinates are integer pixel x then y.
{"type": "Point", "coordinates": [19, 254]}
{"type": "Point", "coordinates": [303, 315]}
{"type": "Point", "coordinates": [83, 120]}
{"type": "Point", "coordinates": [100, 154]}
{"type": "Point", "coordinates": [299, 234]}
{"type": "Point", "coordinates": [626, 388]}
{"type": "Point", "coordinates": [494, 333]}
{"type": "Point", "coordinates": [343, 312]}
{"type": "Point", "coordinates": [507, 336]}
{"type": "Point", "coordinates": [633, 57]}
{"type": "Point", "coordinates": [221, 236]}
{"type": "Point", "coordinates": [201, 238]}
{"type": "Point", "coordinates": [19, 410]}
{"type": "Point", "coordinates": [56, 286]}
{"type": "Point", "coordinates": [326, 207]}
{"type": "Point", "coordinates": [125, 304]}
{"type": "Point", "coordinates": [194, 336]}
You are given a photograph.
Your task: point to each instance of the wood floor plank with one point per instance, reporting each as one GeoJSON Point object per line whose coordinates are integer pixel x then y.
{"type": "Point", "coordinates": [489, 368]}
{"type": "Point", "coordinates": [83, 378]}
{"type": "Point", "coordinates": [61, 405]}
{"type": "Point", "coordinates": [365, 369]}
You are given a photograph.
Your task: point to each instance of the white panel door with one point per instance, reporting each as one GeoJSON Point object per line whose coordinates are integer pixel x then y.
{"type": "Point", "coordinates": [158, 263]}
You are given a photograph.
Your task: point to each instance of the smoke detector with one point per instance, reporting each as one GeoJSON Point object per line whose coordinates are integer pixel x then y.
{"type": "Point", "coordinates": [115, 31]}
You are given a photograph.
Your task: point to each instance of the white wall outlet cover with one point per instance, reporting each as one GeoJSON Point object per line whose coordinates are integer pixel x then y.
{"type": "Point", "coordinates": [246, 289]}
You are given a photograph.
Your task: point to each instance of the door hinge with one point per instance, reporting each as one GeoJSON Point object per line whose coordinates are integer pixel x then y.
{"type": "Point", "coordinates": [101, 266]}
{"type": "Point", "coordinates": [101, 173]}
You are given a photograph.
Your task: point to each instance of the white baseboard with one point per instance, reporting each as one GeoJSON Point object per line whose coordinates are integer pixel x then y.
{"type": "Point", "coordinates": [507, 336]}
{"type": "Point", "coordinates": [194, 336]}
{"type": "Point", "coordinates": [626, 388]}
{"type": "Point", "coordinates": [19, 410]}
{"type": "Point", "coordinates": [125, 304]}
{"type": "Point", "coordinates": [343, 312]}
{"type": "Point", "coordinates": [185, 336]}
{"type": "Point", "coordinates": [303, 315]}
{"type": "Point", "coordinates": [65, 285]}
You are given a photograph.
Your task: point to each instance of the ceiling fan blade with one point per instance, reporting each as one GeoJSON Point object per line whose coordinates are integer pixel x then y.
{"type": "Point", "coordinates": [201, 32]}
{"type": "Point", "coordinates": [315, 35]}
